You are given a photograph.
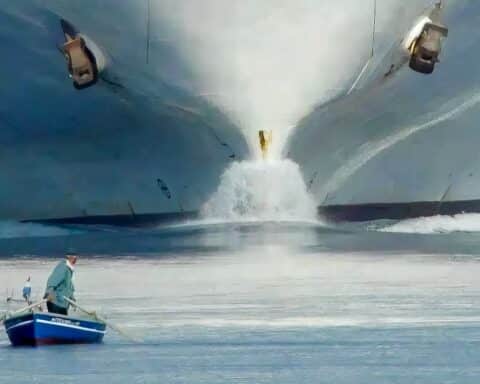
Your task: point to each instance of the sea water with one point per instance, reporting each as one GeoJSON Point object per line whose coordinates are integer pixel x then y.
{"type": "Point", "coordinates": [258, 302]}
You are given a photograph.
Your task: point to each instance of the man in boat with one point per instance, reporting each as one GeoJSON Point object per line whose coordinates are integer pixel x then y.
{"type": "Point", "coordinates": [60, 285]}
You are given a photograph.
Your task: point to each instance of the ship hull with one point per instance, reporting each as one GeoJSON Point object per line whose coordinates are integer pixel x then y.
{"type": "Point", "coordinates": [145, 143]}
{"type": "Point", "coordinates": [405, 144]}
{"type": "Point", "coordinates": [139, 142]}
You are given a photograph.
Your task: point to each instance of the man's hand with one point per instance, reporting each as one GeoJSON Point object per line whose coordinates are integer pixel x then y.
{"type": "Point", "coordinates": [49, 296]}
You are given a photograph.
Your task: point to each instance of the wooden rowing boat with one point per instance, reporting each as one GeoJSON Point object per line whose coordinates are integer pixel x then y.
{"type": "Point", "coordinates": [41, 328]}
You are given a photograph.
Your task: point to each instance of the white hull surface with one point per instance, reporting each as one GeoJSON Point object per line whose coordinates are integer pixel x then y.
{"type": "Point", "coordinates": [149, 141]}
{"type": "Point", "coordinates": [138, 142]}
{"type": "Point", "coordinates": [404, 144]}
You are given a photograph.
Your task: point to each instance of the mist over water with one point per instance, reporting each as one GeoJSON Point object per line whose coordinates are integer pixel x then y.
{"type": "Point", "coordinates": [267, 64]}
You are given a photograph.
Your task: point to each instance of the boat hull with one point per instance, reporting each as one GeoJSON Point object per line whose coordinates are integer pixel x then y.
{"type": "Point", "coordinates": [36, 329]}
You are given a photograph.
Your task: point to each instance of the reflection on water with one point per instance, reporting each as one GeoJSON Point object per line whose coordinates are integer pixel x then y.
{"type": "Point", "coordinates": [220, 236]}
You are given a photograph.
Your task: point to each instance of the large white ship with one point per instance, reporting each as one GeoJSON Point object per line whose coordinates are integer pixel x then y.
{"type": "Point", "coordinates": [140, 131]}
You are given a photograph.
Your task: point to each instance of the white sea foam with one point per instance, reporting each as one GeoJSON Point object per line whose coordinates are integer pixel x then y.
{"type": "Point", "coordinates": [261, 191]}
{"type": "Point", "coordinates": [467, 222]}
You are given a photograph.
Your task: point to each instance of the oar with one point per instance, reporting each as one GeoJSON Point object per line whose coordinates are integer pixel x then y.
{"type": "Point", "coordinates": [31, 306]}
{"type": "Point", "coordinates": [93, 314]}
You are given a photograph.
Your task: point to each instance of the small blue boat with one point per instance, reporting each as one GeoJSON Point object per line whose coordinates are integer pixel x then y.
{"type": "Point", "coordinates": [44, 328]}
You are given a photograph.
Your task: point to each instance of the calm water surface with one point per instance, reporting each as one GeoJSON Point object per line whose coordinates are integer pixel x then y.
{"type": "Point", "coordinates": [257, 303]}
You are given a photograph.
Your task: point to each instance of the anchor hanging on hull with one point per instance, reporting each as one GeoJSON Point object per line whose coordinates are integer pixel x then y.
{"type": "Point", "coordinates": [425, 49]}
{"type": "Point", "coordinates": [81, 62]}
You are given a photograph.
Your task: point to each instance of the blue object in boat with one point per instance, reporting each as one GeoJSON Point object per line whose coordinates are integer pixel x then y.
{"type": "Point", "coordinates": [43, 328]}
